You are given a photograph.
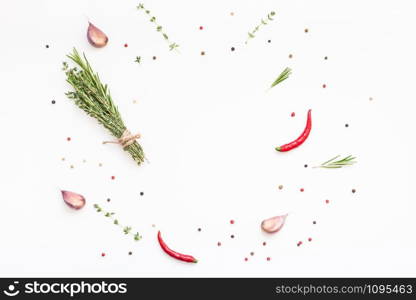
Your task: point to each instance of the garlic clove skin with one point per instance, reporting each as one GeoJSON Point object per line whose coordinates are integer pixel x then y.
{"type": "Point", "coordinates": [96, 37]}
{"type": "Point", "coordinates": [274, 224]}
{"type": "Point", "coordinates": [73, 200]}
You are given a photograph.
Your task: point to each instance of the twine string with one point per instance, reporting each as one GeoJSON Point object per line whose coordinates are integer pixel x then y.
{"type": "Point", "coordinates": [126, 139]}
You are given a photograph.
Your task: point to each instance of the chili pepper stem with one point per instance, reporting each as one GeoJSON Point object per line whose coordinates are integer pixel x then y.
{"type": "Point", "coordinates": [277, 149]}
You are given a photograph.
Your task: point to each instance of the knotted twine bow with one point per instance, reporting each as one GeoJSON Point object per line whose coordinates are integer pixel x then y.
{"type": "Point", "coordinates": [125, 140]}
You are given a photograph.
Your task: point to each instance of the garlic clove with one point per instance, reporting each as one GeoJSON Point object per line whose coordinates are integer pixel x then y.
{"type": "Point", "coordinates": [96, 37]}
{"type": "Point", "coordinates": [73, 200]}
{"type": "Point", "coordinates": [273, 224]}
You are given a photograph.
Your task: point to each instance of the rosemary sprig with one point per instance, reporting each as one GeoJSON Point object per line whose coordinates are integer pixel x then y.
{"type": "Point", "coordinates": [94, 98]}
{"type": "Point", "coordinates": [283, 76]}
{"type": "Point", "coordinates": [138, 59]}
{"type": "Point", "coordinates": [335, 164]}
{"type": "Point", "coordinates": [126, 229]}
{"type": "Point", "coordinates": [251, 34]}
{"type": "Point", "coordinates": [172, 45]}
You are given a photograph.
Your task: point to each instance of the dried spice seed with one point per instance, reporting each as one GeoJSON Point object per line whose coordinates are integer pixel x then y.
{"type": "Point", "coordinates": [201, 27]}
{"type": "Point", "coordinates": [141, 193]}
{"type": "Point", "coordinates": [280, 187]}
{"type": "Point", "coordinates": [252, 253]}
{"type": "Point", "coordinates": [231, 14]}
{"type": "Point", "coordinates": [199, 229]}
{"type": "Point", "coordinates": [324, 86]}
{"type": "Point", "coordinates": [327, 201]}
{"type": "Point", "coordinates": [290, 56]}
{"type": "Point", "coordinates": [268, 259]}
{"type": "Point", "coordinates": [232, 236]}
{"type": "Point", "coordinates": [292, 114]}
{"type": "Point", "coordinates": [346, 125]}
{"type": "Point", "coordinates": [309, 239]}
{"type": "Point", "coordinates": [63, 158]}
{"type": "Point", "coordinates": [113, 177]}
{"type": "Point", "coordinates": [269, 41]}
{"type": "Point", "coordinates": [371, 98]}
{"type": "Point", "coordinates": [130, 253]}
{"type": "Point", "coordinates": [202, 53]}
{"type": "Point", "coordinates": [306, 30]}
{"type": "Point", "coordinates": [154, 57]}
{"type": "Point", "coordinates": [100, 164]}
{"type": "Point", "coordinates": [264, 244]}
{"type": "Point", "coordinates": [305, 166]}
{"type": "Point", "coordinates": [53, 101]}
{"type": "Point", "coordinates": [71, 166]}
{"type": "Point", "coordinates": [231, 222]}
{"type": "Point", "coordinates": [245, 259]}
{"type": "Point", "coordinates": [219, 244]}
{"type": "Point", "coordinates": [326, 57]}
{"type": "Point", "coordinates": [126, 45]}
{"type": "Point", "coordinates": [103, 254]}
{"type": "Point", "coordinates": [232, 48]}
{"type": "Point", "coordinates": [153, 225]}
{"type": "Point", "coordinates": [299, 243]}
{"type": "Point", "coordinates": [353, 191]}
{"type": "Point", "coordinates": [68, 139]}
{"type": "Point", "coordinates": [47, 46]}
{"type": "Point", "coordinates": [108, 199]}
{"type": "Point", "coordinates": [302, 190]}
{"type": "Point", "coordinates": [314, 222]}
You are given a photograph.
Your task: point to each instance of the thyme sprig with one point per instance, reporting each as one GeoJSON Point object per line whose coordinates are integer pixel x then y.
{"type": "Point", "coordinates": [336, 164]}
{"type": "Point", "coordinates": [138, 59]}
{"type": "Point", "coordinates": [263, 22]}
{"type": "Point", "coordinates": [94, 98]}
{"type": "Point", "coordinates": [126, 229]}
{"type": "Point", "coordinates": [283, 76]}
{"type": "Point", "coordinates": [172, 45]}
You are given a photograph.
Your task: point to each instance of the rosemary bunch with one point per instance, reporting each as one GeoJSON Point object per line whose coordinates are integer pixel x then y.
{"type": "Point", "coordinates": [336, 164]}
{"type": "Point", "coordinates": [94, 98]}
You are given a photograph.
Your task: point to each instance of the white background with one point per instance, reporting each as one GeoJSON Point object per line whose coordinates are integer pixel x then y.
{"type": "Point", "coordinates": [209, 130]}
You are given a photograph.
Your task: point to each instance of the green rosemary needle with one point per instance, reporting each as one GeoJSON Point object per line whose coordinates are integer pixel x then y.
{"type": "Point", "coordinates": [336, 164]}
{"type": "Point", "coordinates": [94, 98]}
{"type": "Point", "coordinates": [283, 76]}
{"type": "Point", "coordinates": [126, 229]}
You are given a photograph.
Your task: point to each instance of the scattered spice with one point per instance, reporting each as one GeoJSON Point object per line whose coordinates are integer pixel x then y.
{"type": "Point", "coordinates": [126, 45]}
{"type": "Point", "coordinates": [96, 37]}
{"type": "Point", "coordinates": [346, 125]}
{"type": "Point", "coordinates": [327, 201]}
{"type": "Point", "coordinates": [159, 28]}
{"type": "Point", "coordinates": [53, 101]}
{"type": "Point", "coordinates": [110, 215]}
{"type": "Point", "coordinates": [306, 30]}
{"type": "Point", "coordinates": [309, 239]}
{"type": "Point", "coordinates": [232, 48]}
{"type": "Point", "coordinates": [305, 165]}
{"type": "Point", "coordinates": [314, 222]}
{"type": "Point", "coordinates": [113, 177]}
{"type": "Point", "coordinates": [280, 187]}
{"type": "Point", "coordinates": [130, 253]}
{"type": "Point", "coordinates": [108, 199]}
{"type": "Point", "coordinates": [231, 222]}
{"type": "Point", "coordinates": [231, 14]}
{"type": "Point", "coordinates": [299, 141]}
{"type": "Point", "coordinates": [292, 114]}
{"type": "Point", "coordinates": [68, 139]}
{"type": "Point", "coordinates": [263, 22]}
{"type": "Point", "coordinates": [174, 254]}
{"type": "Point", "coordinates": [302, 190]}
{"type": "Point", "coordinates": [199, 229]}
{"type": "Point", "coordinates": [100, 164]}
{"type": "Point", "coordinates": [326, 57]}
{"type": "Point", "coordinates": [103, 254]}
{"type": "Point", "coordinates": [252, 253]}
{"type": "Point", "coordinates": [264, 243]}
{"type": "Point", "coordinates": [47, 46]}
{"type": "Point", "coordinates": [324, 85]}
{"type": "Point", "coordinates": [232, 236]}
{"type": "Point", "coordinates": [154, 57]}
{"type": "Point", "coordinates": [269, 41]}
{"type": "Point", "coordinates": [219, 244]}
{"type": "Point", "coordinates": [353, 191]}
{"type": "Point", "coordinates": [202, 52]}
{"type": "Point", "coordinates": [245, 259]}
{"type": "Point", "coordinates": [71, 166]}
{"type": "Point", "coordinates": [138, 59]}
{"type": "Point", "coordinates": [290, 56]}
{"type": "Point", "coordinates": [141, 193]}
{"type": "Point", "coordinates": [299, 243]}
{"type": "Point", "coordinates": [201, 27]}
{"type": "Point", "coordinates": [268, 259]}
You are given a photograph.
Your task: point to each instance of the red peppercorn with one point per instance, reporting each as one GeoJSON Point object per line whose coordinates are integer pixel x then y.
{"type": "Point", "coordinates": [299, 243]}
{"type": "Point", "coordinates": [324, 85]}
{"type": "Point", "coordinates": [309, 239]}
{"type": "Point", "coordinates": [103, 254]}
{"type": "Point", "coordinates": [245, 259]}
{"type": "Point", "coordinates": [231, 222]}
{"type": "Point", "coordinates": [201, 27]}
{"type": "Point", "coordinates": [264, 243]}
{"type": "Point", "coordinates": [113, 177]}
{"type": "Point", "coordinates": [326, 201]}
{"type": "Point", "coordinates": [219, 244]}
{"type": "Point", "coordinates": [68, 139]}
{"type": "Point", "coordinates": [302, 190]}
{"type": "Point", "coordinates": [126, 45]}
{"type": "Point", "coordinates": [292, 114]}
{"type": "Point", "coordinates": [268, 259]}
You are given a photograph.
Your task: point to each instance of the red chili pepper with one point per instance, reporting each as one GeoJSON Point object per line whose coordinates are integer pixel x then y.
{"type": "Point", "coordinates": [299, 141]}
{"type": "Point", "coordinates": [174, 254]}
